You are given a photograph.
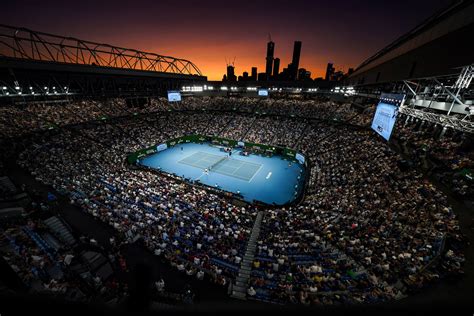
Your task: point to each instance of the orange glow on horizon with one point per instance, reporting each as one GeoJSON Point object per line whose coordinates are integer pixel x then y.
{"type": "Point", "coordinates": [211, 59]}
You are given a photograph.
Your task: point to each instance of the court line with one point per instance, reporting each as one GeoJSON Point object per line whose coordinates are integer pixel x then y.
{"type": "Point", "coordinates": [232, 174]}
{"type": "Point", "coordinates": [206, 158]}
{"type": "Point", "coordinates": [209, 159]}
{"type": "Point", "coordinates": [256, 172]}
{"type": "Point", "coordinates": [200, 176]}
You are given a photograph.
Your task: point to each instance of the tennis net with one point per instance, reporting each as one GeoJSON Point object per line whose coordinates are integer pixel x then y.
{"type": "Point", "coordinates": [217, 162]}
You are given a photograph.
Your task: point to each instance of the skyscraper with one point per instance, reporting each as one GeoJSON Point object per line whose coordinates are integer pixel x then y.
{"type": "Point", "coordinates": [276, 67]}
{"type": "Point", "coordinates": [231, 73]}
{"type": "Point", "coordinates": [295, 63]}
{"type": "Point", "coordinates": [270, 51]}
{"type": "Point", "coordinates": [329, 71]}
{"type": "Point", "coordinates": [253, 76]}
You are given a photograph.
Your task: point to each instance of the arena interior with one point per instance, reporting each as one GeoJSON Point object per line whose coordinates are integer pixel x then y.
{"type": "Point", "coordinates": [369, 224]}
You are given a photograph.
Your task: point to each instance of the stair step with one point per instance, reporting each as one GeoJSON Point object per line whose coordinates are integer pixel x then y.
{"type": "Point", "coordinates": [245, 273]}
{"type": "Point", "coordinates": [238, 288]}
{"type": "Point", "coordinates": [55, 225]}
{"type": "Point", "coordinates": [240, 296]}
{"type": "Point", "coordinates": [239, 293]}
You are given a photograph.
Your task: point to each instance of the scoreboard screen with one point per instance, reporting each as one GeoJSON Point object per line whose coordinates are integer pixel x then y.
{"type": "Point", "coordinates": [386, 113]}
{"type": "Point", "coordinates": [384, 119]}
{"type": "Point", "coordinates": [263, 92]}
{"type": "Point", "coordinates": [174, 96]}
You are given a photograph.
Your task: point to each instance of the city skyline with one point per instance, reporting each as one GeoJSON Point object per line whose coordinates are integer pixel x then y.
{"type": "Point", "coordinates": [208, 33]}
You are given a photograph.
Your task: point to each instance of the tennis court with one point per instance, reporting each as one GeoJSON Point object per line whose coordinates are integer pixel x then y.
{"type": "Point", "coordinates": [271, 180]}
{"type": "Point", "coordinates": [222, 164]}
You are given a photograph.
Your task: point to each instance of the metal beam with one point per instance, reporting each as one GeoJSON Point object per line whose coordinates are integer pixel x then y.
{"type": "Point", "coordinates": [22, 43]}
{"type": "Point", "coordinates": [443, 120]}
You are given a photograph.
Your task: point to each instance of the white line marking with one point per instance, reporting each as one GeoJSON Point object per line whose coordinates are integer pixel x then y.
{"type": "Point", "coordinates": [269, 175]}
{"type": "Point", "coordinates": [255, 173]}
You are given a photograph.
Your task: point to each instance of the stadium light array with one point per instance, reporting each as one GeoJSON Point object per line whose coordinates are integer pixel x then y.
{"type": "Point", "coordinates": [192, 89]}
{"type": "Point", "coordinates": [208, 88]}
{"type": "Point", "coordinates": [224, 88]}
{"type": "Point", "coordinates": [347, 91]}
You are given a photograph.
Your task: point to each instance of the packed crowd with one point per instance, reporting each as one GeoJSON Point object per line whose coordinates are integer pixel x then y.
{"type": "Point", "coordinates": [364, 227]}
{"type": "Point", "coordinates": [447, 153]}
{"type": "Point", "coordinates": [40, 116]}
{"type": "Point", "coordinates": [194, 230]}
{"type": "Point", "coordinates": [44, 262]}
{"type": "Point", "coordinates": [366, 231]}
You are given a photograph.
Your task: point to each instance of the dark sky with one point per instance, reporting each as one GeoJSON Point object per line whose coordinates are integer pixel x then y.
{"type": "Point", "coordinates": [208, 32]}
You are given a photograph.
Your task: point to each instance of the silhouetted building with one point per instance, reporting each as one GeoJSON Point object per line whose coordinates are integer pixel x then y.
{"type": "Point", "coordinates": [337, 76]}
{"type": "Point", "coordinates": [303, 74]}
{"type": "Point", "coordinates": [231, 73]}
{"type": "Point", "coordinates": [350, 71]}
{"type": "Point", "coordinates": [253, 77]}
{"type": "Point", "coordinates": [276, 68]}
{"type": "Point", "coordinates": [245, 76]}
{"type": "Point", "coordinates": [262, 76]}
{"type": "Point", "coordinates": [295, 62]}
{"type": "Point", "coordinates": [285, 73]}
{"type": "Point", "coordinates": [270, 51]}
{"type": "Point", "coordinates": [329, 71]}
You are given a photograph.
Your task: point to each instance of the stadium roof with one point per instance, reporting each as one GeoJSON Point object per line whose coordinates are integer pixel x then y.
{"type": "Point", "coordinates": [432, 48]}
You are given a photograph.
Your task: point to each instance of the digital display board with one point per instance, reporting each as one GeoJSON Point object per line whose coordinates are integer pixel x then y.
{"type": "Point", "coordinates": [300, 158]}
{"type": "Point", "coordinates": [384, 119]}
{"type": "Point", "coordinates": [263, 92]}
{"type": "Point", "coordinates": [174, 96]}
{"type": "Point", "coordinates": [161, 147]}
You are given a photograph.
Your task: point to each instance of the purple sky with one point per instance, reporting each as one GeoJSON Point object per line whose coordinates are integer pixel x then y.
{"type": "Point", "coordinates": [209, 32]}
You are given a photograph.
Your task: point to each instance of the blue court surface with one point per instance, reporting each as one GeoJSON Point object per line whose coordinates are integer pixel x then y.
{"type": "Point", "coordinates": [269, 180]}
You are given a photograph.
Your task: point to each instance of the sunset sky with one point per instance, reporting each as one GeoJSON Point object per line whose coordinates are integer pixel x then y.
{"type": "Point", "coordinates": [209, 32]}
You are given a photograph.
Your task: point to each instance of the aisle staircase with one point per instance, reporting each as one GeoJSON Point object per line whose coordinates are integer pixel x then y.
{"type": "Point", "coordinates": [61, 230]}
{"type": "Point", "coordinates": [244, 135]}
{"type": "Point", "coordinates": [239, 289]}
